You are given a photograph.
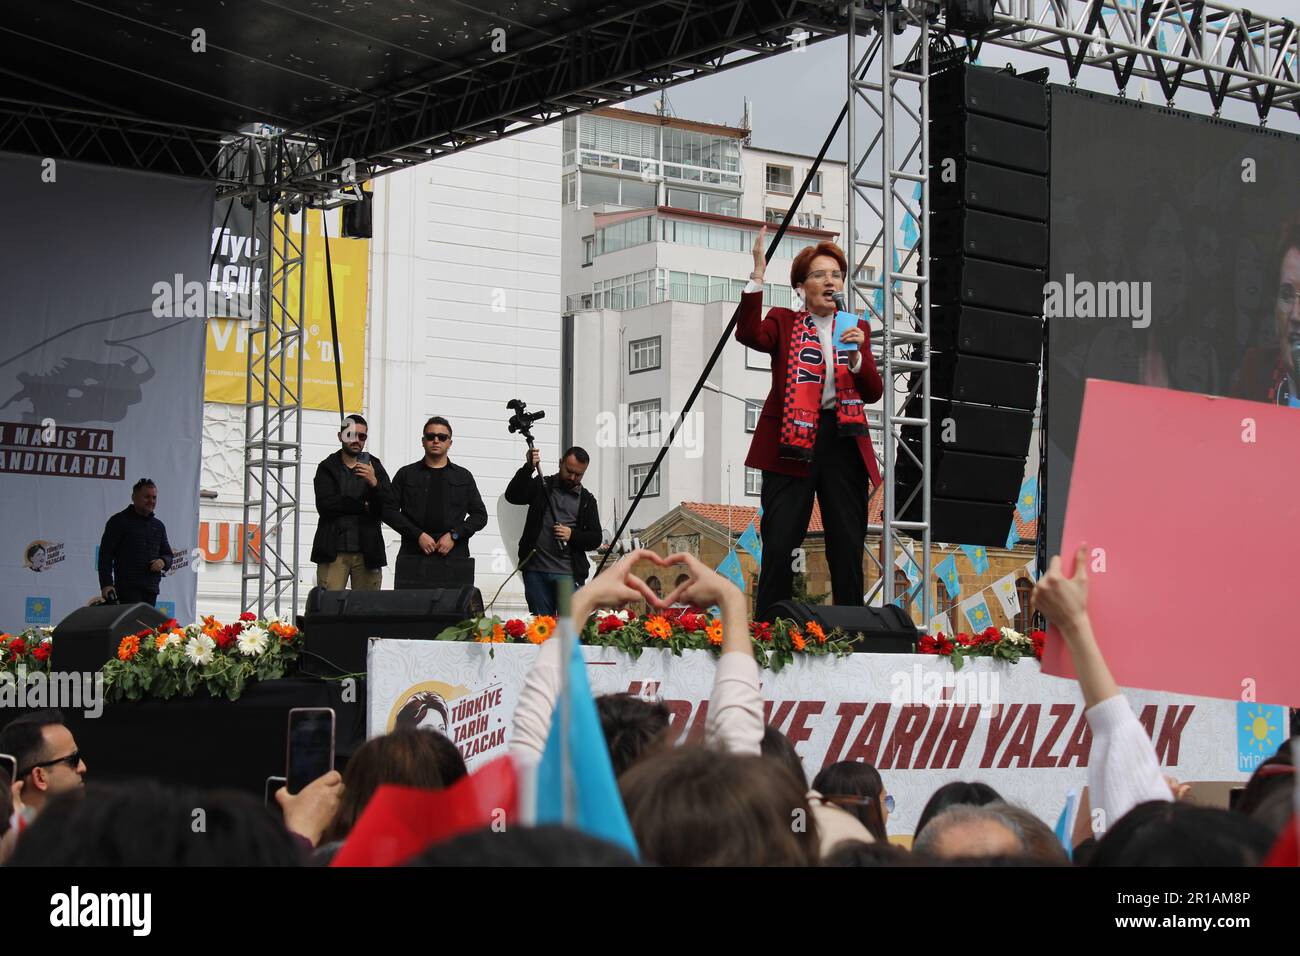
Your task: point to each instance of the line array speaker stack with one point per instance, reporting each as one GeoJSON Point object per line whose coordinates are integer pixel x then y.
{"type": "Point", "coordinates": [988, 225]}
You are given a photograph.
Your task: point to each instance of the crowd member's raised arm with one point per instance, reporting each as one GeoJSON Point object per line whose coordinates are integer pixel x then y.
{"type": "Point", "coordinates": [735, 719]}
{"type": "Point", "coordinates": [1123, 769]}
{"type": "Point", "coordinates": [612, 588]}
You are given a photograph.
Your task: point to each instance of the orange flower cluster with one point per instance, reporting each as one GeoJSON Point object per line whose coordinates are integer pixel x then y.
{"type": "Point", "coordinates": [541, 629]}
{"type": "Point", "coordinates": [714, 631]}
{"type": "Point", "coordinates": [498, 636]}
{"type": "Point", "coordinates": [129, 647]}
{"type": "Point", "coordinates": [797, 639]}
{"type": "Point", "coordinates": [816, 631]}
{"type": "Point", "coordinates": [283, 631]}
{"type": "Point", "coordinates": [658, 626]}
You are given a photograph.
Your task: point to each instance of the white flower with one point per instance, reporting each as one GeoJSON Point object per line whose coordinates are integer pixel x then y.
{"type": "Point", "coordinates": [171, 640]}
{"type": "Point", "coordinates": [200, 650]}
{"type": "Point", "coordinates": [252, 641]}
{"type": "Point", "coordinates": [1015, 637]}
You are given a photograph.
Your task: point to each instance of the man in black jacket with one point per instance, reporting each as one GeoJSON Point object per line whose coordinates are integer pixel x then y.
{"type": "Point", "coordinates": [133, 553]}
{"type": "Point", "coordinates": [351, 488]}
{"type": "Point", "coordinates": [555, 541]}
{"type": "Point", "coordinates": [434, 504]}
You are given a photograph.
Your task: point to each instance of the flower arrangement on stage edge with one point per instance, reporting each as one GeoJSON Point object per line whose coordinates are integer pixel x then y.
{"type": "Point", "coordinates": [1002, 643]}
{"type": "Point", "coordinates": [28, 650]}
{"type": "Point", "coordinates": [676, 629]}
{"type": "Point", "coordinates": [170, 660]}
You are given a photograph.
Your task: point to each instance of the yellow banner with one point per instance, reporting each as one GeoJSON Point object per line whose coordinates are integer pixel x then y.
{"type": "Point", "coordinates": [227, 360]}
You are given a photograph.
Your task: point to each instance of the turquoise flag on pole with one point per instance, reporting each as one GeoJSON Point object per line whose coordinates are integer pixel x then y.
{"type": "Point", "coordinates": [730, 568]}
{"type": "Point", "coordinates": [978, 558]}
{"type": "Point", "coordinates": [946, 571]}
{"type": "Point", "coordinates": [1027, 502]}
{"type": "Point", "coordinates": [749, 540]}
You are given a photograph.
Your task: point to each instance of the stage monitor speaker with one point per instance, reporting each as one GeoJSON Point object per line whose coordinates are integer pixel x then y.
{"type": "Point", "coordinates": [358, 217]}
{"type": "Point", "coordinates": [990, 140]}
{"type": "Point", "coordinates": [986, 235]}
{"type": "Point", "coordinates": [974, 331]}
{"type": "Point", "coordinates": [876, 630]}
{"type": "Point", "coordinates": [971, 17]}
{"type": "Point", "coordinates": [961, 426]}
{"type": "Point", "coordinates": [991, 285]}
{"type": "Point", "coordinates": [966, 475]}
{"type": "Point", "coordinates": [1008, 192]}
{"type": "Point", "coordinates": [967, 522]}
{"type": "Point", "coordinates": [337, 625]}
{"type": "Point", "coordinates": [983, 381]}
{"type": "Point", "coordinates": [991, 92]}
{"type": "Point", "coordinates": [88, 638]}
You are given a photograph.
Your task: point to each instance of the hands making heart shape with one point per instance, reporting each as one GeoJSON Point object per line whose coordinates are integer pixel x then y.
{"type": "Point", "coordinates": [617, 586]}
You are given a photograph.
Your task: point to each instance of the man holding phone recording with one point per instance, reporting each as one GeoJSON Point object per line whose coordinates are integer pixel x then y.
{"type": "Point", "coordinates": [351, 487]}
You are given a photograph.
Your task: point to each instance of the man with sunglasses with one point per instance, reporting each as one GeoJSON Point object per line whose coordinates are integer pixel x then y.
{"type": "Point", "coordinates": [351, 490]}
{"type": "Point", "coordinates": [133, 551]}
{"type": "Point", "coordinates": [48, 760]}
{"type": "Point", "coordinates": [435, 504]}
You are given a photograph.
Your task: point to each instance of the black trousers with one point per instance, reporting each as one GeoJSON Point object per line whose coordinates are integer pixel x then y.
{"type": "Point", "coordinates": [840, 482]}
{"type": "Point", "coordinates": [133, 593]}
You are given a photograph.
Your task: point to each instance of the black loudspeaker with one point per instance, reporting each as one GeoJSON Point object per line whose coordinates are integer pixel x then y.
{"type": "Point", "coordinates": [877, 630]}
{"type": "Point", "coordinates": [357, 218]}
{"type": "Point", "coordinates": [88, 638]}
{"type": "Point", "coordinates": [969, 16]}
{"type": "Point", "coordinates": [989, 186]}
{"type": "Point", "coordinates": [975, 331]}
{"type": "Point", "coordinates": [337, 624]}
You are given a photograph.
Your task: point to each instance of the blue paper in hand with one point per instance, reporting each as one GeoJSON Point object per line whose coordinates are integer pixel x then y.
{"type": "Point", "coordinates": [843, 322]}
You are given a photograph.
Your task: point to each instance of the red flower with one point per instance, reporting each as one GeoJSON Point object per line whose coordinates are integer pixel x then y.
{"type": "Point", "coordinates": [1040, 642]}
{"type": "Point", "coordinates": [227, 635]}
{"type": "Point", "coordinates": [17, 648]}
{"type": "Point", "coordinates": [610, 622]}
{"type": "Point", "coordinates": [145, 633]}
{"type": "Point", "coordinates": [41, 652]}
{"type": "Point", "coordinates": [935, 644]}
{"type": "Point", "coordinates": [248, 616]}
{"type": "Point", "coordinates": [760, 630]}
{"type": "Point", "coordinates": [990, 635]}
{"type": "Point", "coordinates": [516, 628]}
{"type": "Point", "coordinates": [691, 622]}
{"type": "Point", "coordinates": [171, 625]}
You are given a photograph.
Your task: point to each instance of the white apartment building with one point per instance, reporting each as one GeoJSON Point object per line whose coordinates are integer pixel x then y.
{"type": "Point", "coordinates": [464, 314]}
{"type": "Point", "coordinates": [659, 217]}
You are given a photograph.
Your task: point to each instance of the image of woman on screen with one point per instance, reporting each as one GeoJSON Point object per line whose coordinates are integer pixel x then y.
{"type": "Point", "coordinates": [1272, 373]}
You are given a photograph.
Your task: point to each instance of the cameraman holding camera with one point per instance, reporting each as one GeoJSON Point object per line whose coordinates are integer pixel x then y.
{"type": "Point", "coordinates": [562, 526]}
{"type": "Point", "coordinates": [436, 506]}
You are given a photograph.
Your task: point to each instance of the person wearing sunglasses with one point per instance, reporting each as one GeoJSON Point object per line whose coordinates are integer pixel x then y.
{"type": "Point", "coordinates": [435, 504]}
{"type": "Point", "coordinates": [48, 760]}
{"type": "Point", "coordinates": [134, 551]}
{"type": "Point", "coordinates": [1272, 373]}
{"type": "Point", "coordinates": [352, 489]}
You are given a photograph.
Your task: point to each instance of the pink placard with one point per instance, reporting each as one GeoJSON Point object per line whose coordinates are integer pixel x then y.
{"type": "Point", "coordinates": [1191, 504]}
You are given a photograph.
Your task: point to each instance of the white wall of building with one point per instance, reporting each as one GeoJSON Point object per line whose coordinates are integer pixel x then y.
{"type": "Point", "coordinates": [464, 315]}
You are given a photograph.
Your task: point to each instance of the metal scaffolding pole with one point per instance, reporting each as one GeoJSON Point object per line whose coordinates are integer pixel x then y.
{"type": "Point", "coordinates": [273, 407]}
{"type": "Point", "coordinates": [888, 157]}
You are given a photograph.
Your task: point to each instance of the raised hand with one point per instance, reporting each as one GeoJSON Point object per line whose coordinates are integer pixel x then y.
{"type": "Point", "coordinates": [760, 263]}
{"type": "Point", "coordinates": [616, 586]}
{"type": "Point", "coordinates": [1064, 600]}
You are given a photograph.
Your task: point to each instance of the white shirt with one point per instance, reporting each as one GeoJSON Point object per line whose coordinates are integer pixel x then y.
{"type": "Point", "coordinates": [825, 330]}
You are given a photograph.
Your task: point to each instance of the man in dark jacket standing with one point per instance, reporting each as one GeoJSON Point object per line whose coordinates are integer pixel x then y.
{"type": "Point", "coordinates": [435, 504]}
{"type": "Point", "coordinates": [555, 542]}
{"type": "Point", "coordinates": [133, 553]}
{"type": "Point", "coordinates": [351, 488]}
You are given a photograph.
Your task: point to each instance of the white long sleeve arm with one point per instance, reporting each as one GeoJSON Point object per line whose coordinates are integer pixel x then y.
{"type": "Point", "coordinates": [1123, 769]}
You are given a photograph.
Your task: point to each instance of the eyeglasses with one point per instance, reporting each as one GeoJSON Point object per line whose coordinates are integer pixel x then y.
{"type": "Point", "coordinates": [822, 274]}
{"type": "Point", "coordinates": [358, 436]}
{"type": "Point", "coordinates": [1286, 296]}
{"type": "Point", "coordinates": [72, 760]}
{"type": "Point", "coordinates": [435, 436]}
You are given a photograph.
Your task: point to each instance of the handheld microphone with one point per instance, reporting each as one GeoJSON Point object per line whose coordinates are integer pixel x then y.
{"type": "Point", "coordinates": [841, 302]}
{"type": "Point", "coordinates": [1295, 358]}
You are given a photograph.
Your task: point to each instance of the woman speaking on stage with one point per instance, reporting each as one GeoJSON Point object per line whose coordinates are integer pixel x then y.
{"type": "Point", "coordinates": [812, 436]}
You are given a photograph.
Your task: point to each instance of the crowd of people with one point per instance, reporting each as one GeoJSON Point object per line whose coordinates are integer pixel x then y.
{"type": "Point", "coordinates": [740, 797]}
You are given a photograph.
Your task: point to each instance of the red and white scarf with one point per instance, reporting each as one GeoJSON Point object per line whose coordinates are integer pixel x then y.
{"type": "Point", "coordinates": [805, 377]}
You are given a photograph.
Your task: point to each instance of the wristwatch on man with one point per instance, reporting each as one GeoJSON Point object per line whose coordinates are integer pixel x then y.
{"type": "Point", "coordinates": [455, 536]}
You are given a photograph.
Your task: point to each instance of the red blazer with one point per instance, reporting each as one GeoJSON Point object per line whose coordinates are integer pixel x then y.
{"type": "Point", "coordinates": [772, 335]}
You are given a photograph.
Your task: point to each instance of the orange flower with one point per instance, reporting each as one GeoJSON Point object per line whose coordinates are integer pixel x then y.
{"type": "Point", "coordinates": [797, 639]}
{"type": "Point", "coordinates": [283, 631]}
{"type": "Point", "coordinates": [714, 631]}
{"type": "Point", "coordinates": [129, 647]}
{"type": "Point", "coordinates": [540, 629]}
{"type": "Point", "coordinates": [498, 636]}
{"type": "Point", "coordinates": [658, 626]}
{"type": "Point", "coordinates": [816, 631]}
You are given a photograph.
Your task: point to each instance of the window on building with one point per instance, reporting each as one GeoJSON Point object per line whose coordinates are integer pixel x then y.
{"type": "Point", "coordinates": [643, 354]}
{"type": "Point", "coordinates": [815, 186]}
{"type": "Point", "coordinates": [636, 477]}
{"type": "Point", "coordinates": [588, 249]}
{"type": "Point", "coordinates": [570, 188]}
{"type": "Point", "coordinates": [638, 194]}
{"type": "Point", "coordinates": [753, 481]}
{"type": "Point", "coordinates": [597, 189]}
{"type": "Point", "coordinates": [753, 408]}
{"type": "Point", "coordinates": [758, 360]}
{"type": "Point", "coordinates": [722, 205]}
{"type": "Point", "coordinates": [774, 215]}
{"type": "Point", "coordinates": [1024, 593]}
{"type": "Point", "coordinates": [684, 199]}
{"type": "Point", "coordinates": [643, 417]}
{"type": "Point", "coordinates": [780, 180]}
{"type": "Point", "coordinates": [902, 588]}
{"type": "Point", "coordinates": [809, 220]}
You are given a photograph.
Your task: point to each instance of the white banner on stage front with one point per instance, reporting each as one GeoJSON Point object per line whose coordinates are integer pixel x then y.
{"type": "Point", "coordinates": [911, 716]}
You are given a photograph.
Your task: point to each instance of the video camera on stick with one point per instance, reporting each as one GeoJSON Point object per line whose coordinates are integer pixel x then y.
{"type": "Point", "coordinates": [522, 421]}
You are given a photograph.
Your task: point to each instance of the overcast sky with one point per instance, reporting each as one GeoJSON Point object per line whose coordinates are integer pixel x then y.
{"type": "Point", "coordinates": [797, 96]}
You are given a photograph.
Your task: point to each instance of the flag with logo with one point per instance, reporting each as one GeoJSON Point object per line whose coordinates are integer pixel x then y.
{"type": "Point", "coordinates": [731, 570]}
{"type": "Point", "coordinates": [976, 610]}
{"type": "Point", "coordinates": [749, 540]}
{"type": "Point", "coordinates": [1031, 570]}
{"type": "Point", "coordinates": [940, 624]}
{"type": "Point", "coordinates": [1027, 502]}
{"type": "Point", "coordinates": [946, 571]}
{"type": "Point", "coordinates": [977, 556]}
{"type": "Point", "coordinates": [1013, 536]}
{"type": "Point", "coordinates": [1004, 589]}
{"type": "Point", "coordinates": [909, 566]}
